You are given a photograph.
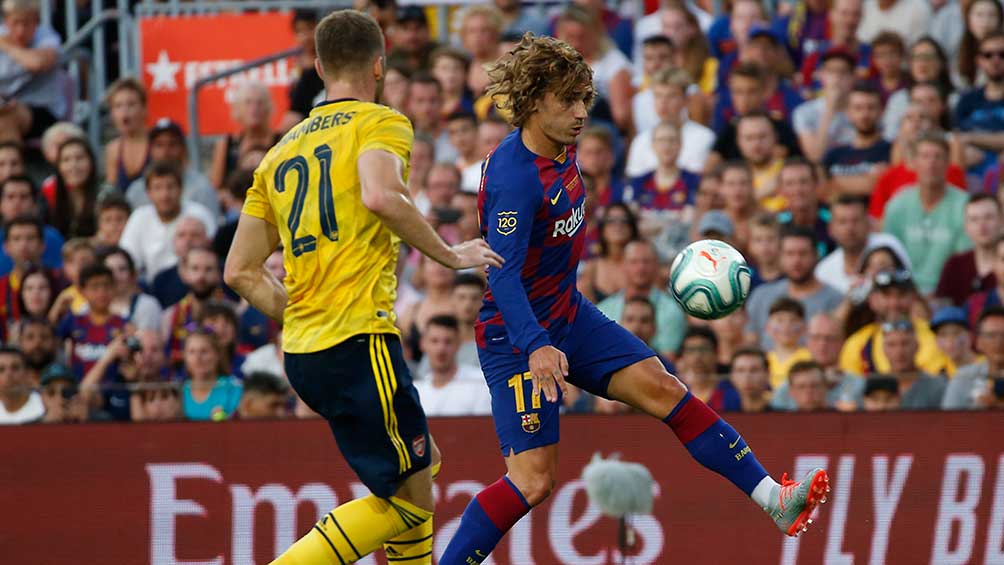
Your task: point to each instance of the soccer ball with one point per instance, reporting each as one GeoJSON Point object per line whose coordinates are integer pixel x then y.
{"type": "Point", "coordinates": [710, 279]}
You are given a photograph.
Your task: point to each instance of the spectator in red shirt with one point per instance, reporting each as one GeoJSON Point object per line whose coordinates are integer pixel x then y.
{"type": "Point", "coordinates": [977, 303]}
{"type": "Point", "coordinates": [972, 271]}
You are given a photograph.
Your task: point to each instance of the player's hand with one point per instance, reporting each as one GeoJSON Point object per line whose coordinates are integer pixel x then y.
{"type": "Point", "coordinates": [474, 253]}
{"type": "Point", "coordinates": [549, 367]}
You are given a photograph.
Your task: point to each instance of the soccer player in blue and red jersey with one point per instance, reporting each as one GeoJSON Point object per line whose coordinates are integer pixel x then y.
{"type": "Point", "coordinates": [535, 329]}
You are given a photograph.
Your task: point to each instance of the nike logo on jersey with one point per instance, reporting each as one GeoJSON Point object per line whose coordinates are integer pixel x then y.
{"type": "Point", "coordinates": [556, 198]}
{"type": "Point", "coordinates": [571, 224]}
{"type": "Point", "coordinates": [735, 443]}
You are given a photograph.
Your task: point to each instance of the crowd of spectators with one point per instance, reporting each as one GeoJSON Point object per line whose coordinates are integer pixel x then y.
{"type": "Point", "coordinates": [853, 150]}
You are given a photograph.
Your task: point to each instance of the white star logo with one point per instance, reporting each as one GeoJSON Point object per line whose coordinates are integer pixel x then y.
{"type": "Point", "coordinates": [163, 72]}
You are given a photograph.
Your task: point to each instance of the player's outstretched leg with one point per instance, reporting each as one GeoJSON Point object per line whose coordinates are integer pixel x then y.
{"type": "Point", "coordinates": [357, 528]}
{"type": "Point", "coordinates": [495, 510]}
{"type": "Point", "coordinates": [715, 444]}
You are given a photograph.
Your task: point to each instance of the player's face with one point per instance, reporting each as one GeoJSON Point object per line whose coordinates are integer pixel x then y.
{"type": "Point", "coordinates": [864, 111]}
{"type": "Point", "coordinates": [639, 319]}
{"type": "Point", "coordinates": [440, 345]}
{"type": "Point", "coordinates": [16, 201]}
{"type": "Point", "coordinates": [561, 120]}
{"type": "Point", "coordinates": [900, 347]}
{"type": "Point", "coordinates": [749, 375]}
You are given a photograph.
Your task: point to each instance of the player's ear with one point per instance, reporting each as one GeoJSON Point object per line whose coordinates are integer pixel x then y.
{"type": "Point", "coordinates": [378, 69]}
{"type": "Point", "coordinates": [320, 69]}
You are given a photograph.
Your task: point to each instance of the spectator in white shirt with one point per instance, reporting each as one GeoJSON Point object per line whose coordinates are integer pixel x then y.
{"type": "Point", "coordinates": [669, 101]}
{"type": "Point", "coordinates": [491, 131]}
{"type": "Point", "coordinates": [909, 18]}
{"type": "Point", "coordinates": [450, 389]}
{"type": "Point", "coordinates": [19, 404]}
{"type": "Point", "coordinates": [150, 230]}
{"type": "Point", "coordinates": [849, 228]}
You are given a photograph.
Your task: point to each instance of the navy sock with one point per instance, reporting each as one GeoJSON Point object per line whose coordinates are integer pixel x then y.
{"type": "Point", "coordinates": [485, 521]}
{"type": "Point", "coordinates": [714, 443]}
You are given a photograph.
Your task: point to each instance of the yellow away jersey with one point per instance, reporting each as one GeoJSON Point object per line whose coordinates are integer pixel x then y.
{"type": "Point", "coordinates": [339, 257]}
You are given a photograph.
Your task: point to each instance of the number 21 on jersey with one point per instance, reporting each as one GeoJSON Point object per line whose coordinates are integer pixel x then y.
{"type": "Point", "coordinates": [329, 224]}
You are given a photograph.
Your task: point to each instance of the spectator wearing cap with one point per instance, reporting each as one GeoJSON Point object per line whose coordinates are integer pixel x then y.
{"type": "Point", "coordinates": [908, 18]}
{"type": "Point", "coordinates": [757, 143]}
{"type": "Point", "coordinates": [491, 131]}
{"type": "Point", "coordinates": [746, 84]}
{"type": "Point", "coordinates": [854, 168]}
{"type": "Point", "coordinates": [842, 21]}
{"type": "Point", "coordinates": [822, 123]}
{"type": "Point", "coordinates": [881, 394]}
{"type": "Point", "coordinates": [31, 83]}
{"type": "Point", "coordinates": [449, 388]}
{"type": "Point", "coordinates": [167, 287]}
{"type": "Point", "coordinates": [929, 217]}
{"type": "Point", "coordinates": [849, 230]}
{"type": "Point", "coordinates": [918, 390]}
{"type": "Point", "coordinates": [764, 252]}
{"type": "Point", "coordinates": [892, 298]}
{"type": "Point", "coordinates": [518, 19]}
{"type": "Point", "coordinates": [970, 272]}
{"type": "Point", "coordinates": [807, 386]}
{"type": "Point", "coordinates": [251, 110]}
{"type": "Point", "coordinates": [993, 296]}
{"type": "Point", "coordinates": [130, 302]}
{"type": "Point", "coordinates": [308, 86]}
{"type": "Point", "coordinates": [86, 336]}
{"type": "Point", "coordinates": [18, 199]}
{"type": "Point", "coordinates": [786, 327]}
{"type": "Point", "coordinates": [127, 155]}
{"type": "Point", "coordinates": [978, 113]}
{"type": "Point", "coordinates": [799, 189]}
{"type": "Point", "coordinates": [697, 363]}
{"type": "Point", "coordinates": [737, 200]}
{"type": "Point", "coordinates": [264, 398]}
{"type": "Point", "coordinates": [19, 402]}
{"type": "Point", "coordinates": [150, 230]}
{"type": "Point", "coordinates": [798, 260]}
{"type": "Point", "coordinates": [200, 271]}
{"type": "Point", "coordinates": [411, 43]}
{"type": "Point", "coordinates": [951, 328]}
{"type": "Point", "coordinates": [973, 385]}
{"type": "Point", "coordinates": [748, 374]}
{"type": "Point", "coordinates": [167, 143]}
{"type": "Point", "coordinates": [11, 160]}
{"type": "Point", "coordinates": [641, 270]}
{"type": "Point", "coordinates": [61, 396]}
{"type": "Point", "coordinates": [823, 339]}
{"type": "Point", "coordinates": [24, 245]}
{"type": "Point", "coordinates": [666, 101]}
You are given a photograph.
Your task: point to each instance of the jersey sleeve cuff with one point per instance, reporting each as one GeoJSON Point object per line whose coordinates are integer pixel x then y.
{"type": "Point", "coordinates": [541, 340]}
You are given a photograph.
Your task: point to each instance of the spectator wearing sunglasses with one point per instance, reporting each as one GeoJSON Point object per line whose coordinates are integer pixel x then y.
{"type": "Point", "coordinates": [892, 297]}
{"type": "Point", "coordinates": [980, 112]}
{"type": "Point", "coordinates": [918, 390]}
{"type": "Point", "coordinates": [61, 396]}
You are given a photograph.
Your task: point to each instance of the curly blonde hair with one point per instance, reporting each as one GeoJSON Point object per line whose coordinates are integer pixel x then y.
{"type": "Point", "coordinates": [536, 66]}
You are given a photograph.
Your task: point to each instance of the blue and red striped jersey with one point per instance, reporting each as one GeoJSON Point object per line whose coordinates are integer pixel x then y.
{"type": "Point", "coordinates": [532, 211]}
{"type": "Point", "coordinates": [648, 196]}
{"type": "Point", "coordinates": [89, 339]}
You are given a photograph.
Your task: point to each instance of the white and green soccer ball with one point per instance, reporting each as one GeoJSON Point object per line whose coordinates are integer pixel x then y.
{"type": "Point", "coordinates": [710, 279]}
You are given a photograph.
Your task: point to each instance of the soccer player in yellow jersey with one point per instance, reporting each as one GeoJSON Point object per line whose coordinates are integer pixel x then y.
{"type": "Point", "coordinates": [333, 192]}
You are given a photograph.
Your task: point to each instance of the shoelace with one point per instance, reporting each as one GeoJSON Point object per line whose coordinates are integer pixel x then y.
{"type": "Point", "coordinates": [787, 489]}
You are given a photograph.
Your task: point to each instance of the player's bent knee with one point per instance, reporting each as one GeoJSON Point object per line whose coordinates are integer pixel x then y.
{"type": "Point", "coordinates": [535, 487]}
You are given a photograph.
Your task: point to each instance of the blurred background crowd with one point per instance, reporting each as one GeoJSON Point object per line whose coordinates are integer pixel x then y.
{"type": "Point", "coordinates": [851, 149]}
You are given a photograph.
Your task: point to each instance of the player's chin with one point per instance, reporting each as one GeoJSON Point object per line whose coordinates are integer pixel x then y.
{"type": "Point", "coordinates": [573, 134]}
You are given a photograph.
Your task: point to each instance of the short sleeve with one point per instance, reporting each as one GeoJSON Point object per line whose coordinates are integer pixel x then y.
{"type": "Point", "coordinates": [390, 132]}
{"type": "Point", "coordinates": [256, 202]}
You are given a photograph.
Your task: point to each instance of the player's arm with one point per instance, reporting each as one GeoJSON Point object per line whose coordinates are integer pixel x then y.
{"type": "Point", "coordinates": [385, 194]}
{"type": "Point", "coordinates": [509, 214]}
{"type": "Point", "coordinates": [245, 270]}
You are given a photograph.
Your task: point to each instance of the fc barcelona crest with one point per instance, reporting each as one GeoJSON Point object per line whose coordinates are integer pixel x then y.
{"type": "Point", "coordinates": [531, 422]}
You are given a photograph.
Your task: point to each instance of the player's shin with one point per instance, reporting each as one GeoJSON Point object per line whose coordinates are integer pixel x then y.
{"type": "Point", "coordinates": [354, 530]}
{"type": "Point", "coordinates": [716, 445]}
{"type": "Point", "coordinates": [485, 521]}
{"type": "Point", "coordinates": [413, 547]}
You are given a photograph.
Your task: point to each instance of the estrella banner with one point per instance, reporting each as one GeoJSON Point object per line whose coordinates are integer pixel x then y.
{"type": "Point", "coordinates": [176, 51]}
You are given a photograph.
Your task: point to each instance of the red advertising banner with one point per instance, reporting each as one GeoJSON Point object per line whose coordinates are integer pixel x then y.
{"type": "Point", "coordinates": [907, 488]}
{"type": "Point", "coordinates": [177, 51]}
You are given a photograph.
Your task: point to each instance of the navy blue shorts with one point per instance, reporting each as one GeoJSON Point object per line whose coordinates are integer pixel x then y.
{"type": "Point", "coordinates": [362, 387]}
{"type": "Point", "coordinates": [596, 348]}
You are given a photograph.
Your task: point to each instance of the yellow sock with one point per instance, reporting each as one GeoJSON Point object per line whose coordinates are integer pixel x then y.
{"type": "Point", "coordinates": [413, 547]}
{"type": "Point", "coordinates": [354, 530]}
